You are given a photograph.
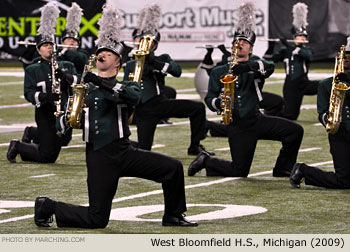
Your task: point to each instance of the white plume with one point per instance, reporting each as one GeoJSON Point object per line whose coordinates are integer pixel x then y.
{"type": "Point", "coordinates": [109, 32]}
{"type": "Point", "coordinates": [300, 15]}
{"type": "Point", "coordinates": [74, 14]}
{"type": "Point", "coordinates": [48, 21]}
{"type": "Point", "coordinates": [246, 21]}
{"type": "Point", "coordinates": [150, 23]}
{"type": "Point", "coordinates": [141, 17]}
{"type": "Point", "coordinates": [347, 48]}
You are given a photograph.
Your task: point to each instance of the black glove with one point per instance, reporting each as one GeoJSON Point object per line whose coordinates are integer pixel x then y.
{"type": "Point", "coordinates": [150, 59]}
{"type": "Point", "coordinates": [159, 65]}
{"type": "Point", "coordinates": [64, 76]}
{"type": "Point", "coordinates": [29, 53]}
{"type": "Point", "coordinates": [90, 77]}
{"type": "Point", "coordinates": [343, 77]}
{"type": "Point", "coordinates": [269, 51]}
{"type": "Point", "coordinates": [44, 97]}
{"type": "Point", "coordinates": [244, 67]}
{"type": "Point", "coordinates": [222, 48]}
{"type": "Point", "coordinates": [207, 58]}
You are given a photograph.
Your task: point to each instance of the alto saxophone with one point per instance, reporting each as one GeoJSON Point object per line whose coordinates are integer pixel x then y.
{"type": "Point", "coordinates": [337, 96]}
{"type": "Point", "coordinates": [140, 54]}
{"type": "Point", "coordinates": [228, 94]}
{"type": "Point", "coordinates": [76, 102]}
{"type": "Point", "coordinates": [56, 83]}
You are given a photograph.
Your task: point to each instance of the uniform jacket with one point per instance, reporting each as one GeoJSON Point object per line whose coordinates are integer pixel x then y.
{"type": "Point", "coordinates": [323, 95]}
{"type": "Point", "coordinates": [38, 78]}
{"type": "Point", "coordinates": [296, 60]}
{"type": "Point", "coordinates": [248, 87]}
{"type": "Point", "coordinates": [78, 57]}
{"type": "Point", "coordinates": [153, 80]}
{"type": "Point", "coordinates": [105, 117]}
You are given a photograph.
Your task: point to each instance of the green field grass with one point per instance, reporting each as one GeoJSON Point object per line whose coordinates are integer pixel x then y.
{"type": "Point", "coordinates": [308, 210]}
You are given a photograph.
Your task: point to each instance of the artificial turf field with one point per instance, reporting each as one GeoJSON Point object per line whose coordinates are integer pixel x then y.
{"type": "Point", "coordinates": [259, 204]}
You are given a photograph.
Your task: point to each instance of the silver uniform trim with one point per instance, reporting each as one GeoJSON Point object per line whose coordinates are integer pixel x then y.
{"type": "Point", "coordinates": [165, 68]}
{"type": "Point", "coordinates": [36, 98]}
{"type": "Point", "coordinates": [206, 66]}
{"type": "Point", "coordinates": [117, 88]}
{"type": "Point", "coordinates": [261, 67]}
{"type": "Point", "coordinates": [62, 125]}
{"type": "Point", "coordinates": [42, 84]}
{"type": "Point", "coordinates": [258, 92]}
{"type": "Point", "coordinates": [286, 61]}
{"type": "Point", "coordinates": [213, 104]}
{"type": "Point", "coordinates": [120, 119]}
{"type": "Point", "coordinates": [324, 119]}
{"type": "Point", "coordinates": [157, 86]}
{"type": "Point", "coordinates": [86, 125]}
{"type": "Point", "coordinates": [296, 51]}
{"type": "Point", "coordinates": [304, 66]}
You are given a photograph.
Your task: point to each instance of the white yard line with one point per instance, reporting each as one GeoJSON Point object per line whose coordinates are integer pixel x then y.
{"type": "Point", "coordinates": [310, 149]}
{"type": "Point", "coordinates": [42, 176]}
{"type": "Point", "coordinates": [145, 194]}
{"type": "Point", "coordinates": [16, 106]}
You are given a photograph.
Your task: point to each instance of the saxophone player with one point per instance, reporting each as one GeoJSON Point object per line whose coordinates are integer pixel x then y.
{"type": "Point", "coordinates": [154, 105]}
{"type": "Point", "coordinates": [109, 154]}
{"type": "Point", "coordinates": [248, 124]}
{"type": "Point", "coordinates": [339, 142]}
{"type": "Point", "coordinates": [38, 90]}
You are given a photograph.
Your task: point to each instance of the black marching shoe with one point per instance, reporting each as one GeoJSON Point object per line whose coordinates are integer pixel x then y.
{"type": "Point", "coordinates": [26, 136]}
{"type": "Point", "coordinates": [296, 175]}
{"type": "Point", "coordinates": [178, 220]}
{"type": "Point", "coordinates": [196, 149]}
{"type": "Point", "coordinates": [41, 218]}
{"type": "Point", "coordinates": [12, 151]}
{"type": "Point", "coordinates": [198, 163]}
{"type": "Point", "coordinates": [281, 173]}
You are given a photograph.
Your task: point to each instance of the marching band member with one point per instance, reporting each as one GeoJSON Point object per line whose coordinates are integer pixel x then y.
{"type": "Point", "coordinates": [153, 105]}
{"type": "Point", "coordinates": [339, 142]}
{"type": "Point", "coordinates": [79, 57]}
{"type": "Point", "coordinates": [109, 154]}
{"type": "Point", "coordinates": [38, 90]}
{"type": "Point", "coordinates": [271, 103]}
{"type": "Point", "coordinates": [297, 60]}
{"type": "Point", "coordinates": [248, 124]}
{"type": "Point", "coordinates": [75, 55]}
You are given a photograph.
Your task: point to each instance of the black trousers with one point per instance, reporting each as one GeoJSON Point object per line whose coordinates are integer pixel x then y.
{"type": "Point", "coordinates": [105, 166]}
{"type": "Point", "coordinates": [33, 135]}
{"type": "Point", "coordinates": [293, 93]}
{"type": "Point", "coordinates": [243, 137]}
{"type": "Point", "coordinates": [49, 143]}
{"type": "Point", "coordinates": [340, 150]}
{"type": "Point", "coordinates": [149, 114]}
{"type": "Point", "coordinates": [271, 103]}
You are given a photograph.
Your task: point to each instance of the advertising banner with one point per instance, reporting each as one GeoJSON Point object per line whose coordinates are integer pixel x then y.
{"type": "Point", "coordinates": [184, 26]}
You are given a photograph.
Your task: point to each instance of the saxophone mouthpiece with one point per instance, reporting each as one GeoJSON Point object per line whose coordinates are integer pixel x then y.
{"type": "Point", "coordinates": [100, 59]}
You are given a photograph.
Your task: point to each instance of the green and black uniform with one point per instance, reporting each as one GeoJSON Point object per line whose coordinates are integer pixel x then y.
{"type": "Point", "coordinates": [339, 144]}
{"type": "Point", "coordinates": [155, 106]}
{"type": "Point", "coordinates": [109, 156]}
{"type": "Point", "coordinates": [249, 125]}
{"type": "Point", "coordinates": [38, 91]}
{"type": "Point", "coordinates": [297, 84]}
